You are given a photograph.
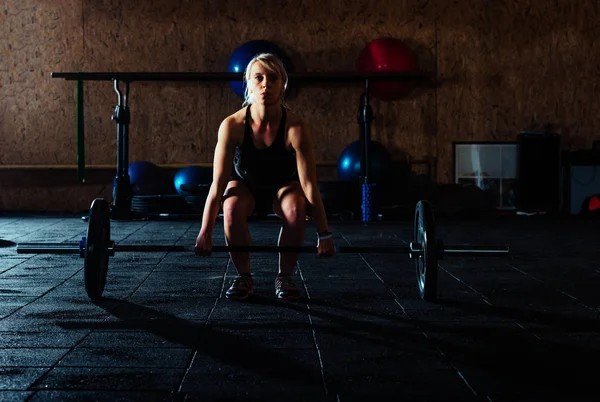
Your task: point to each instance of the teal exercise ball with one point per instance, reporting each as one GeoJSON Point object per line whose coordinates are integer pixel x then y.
{"type": "Point", "coordinates": [349, 162]}
{"type": "Point", "coordinates": [193, 180]}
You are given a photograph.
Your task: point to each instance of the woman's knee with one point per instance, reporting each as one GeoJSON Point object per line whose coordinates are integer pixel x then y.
{"type": "Point", "coordinates": [237, 204]}
{"type": "Point", "coordinates": [293, 208]}
{"type": "Point", "coordinates": [234, 210]}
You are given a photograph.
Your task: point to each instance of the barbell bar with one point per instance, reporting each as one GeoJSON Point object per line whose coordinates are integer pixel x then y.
{"type": "Point", "coordinates": [112, 248]}
{"type": "Point", "coordinates": [97, 247]}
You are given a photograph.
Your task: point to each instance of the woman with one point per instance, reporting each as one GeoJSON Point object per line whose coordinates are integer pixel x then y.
{"type": "Point", "coordinates": [264, 153]}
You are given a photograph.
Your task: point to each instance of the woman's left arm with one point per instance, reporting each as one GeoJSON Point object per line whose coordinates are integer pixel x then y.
{"type": "Point", "coordinates": [302, 142]}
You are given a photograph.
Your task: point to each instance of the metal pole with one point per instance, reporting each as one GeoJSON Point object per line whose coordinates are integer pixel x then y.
{"type": "Point", "coordinates": [121, 205]}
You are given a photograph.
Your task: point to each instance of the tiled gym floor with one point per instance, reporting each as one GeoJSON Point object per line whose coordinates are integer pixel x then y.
{"type": "Point", "coordinates": [518, 328]}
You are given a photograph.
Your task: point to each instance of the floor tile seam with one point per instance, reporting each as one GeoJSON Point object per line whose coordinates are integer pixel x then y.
{"type": "Point", "coordinates": [146, 223]}
{"type": "Point", "coordinates": [124, 391]}
{"type": "Point", "coordinates": [317, 348]}
{"type": "Point", "coordinates": [45, 227]}
{"type": "Point", "coordinates": [104, 366]}
{"type": "Point", "coordinates": [43, 294]}
{"type": "Point", "coordinates": [531, 277]}
{"type": "Point", "coordinates": [456, 278]}
{"type": "Point", "coordinates": [194, 353]}
{"type": "Point", "coordinates": [145, 279]}
{"type": "Point", "coordinates": [49, 225]}
{"type": "Point", "coordinates": [555, 289]}
{"type": "Point", "coordinates": [445, 358]}
{"type": "Point", "coordinates": [34, 348]}
{"type": "Point", "coordinates": [484, 298]}
{"type": "Point", "coordinates": [127, 390]}
{"type": "Point", "coordinates": [24, 260]}
{"type": "Point", "coordinates": [125, 348]}
{"type": "Point", "coordinates": [395, 296]}
{"type": "Point", "coordinates": [73, 347]}
{"type": "Point", "coordinates": [49, 369]}
{"type": "Point", "coordinates": [368, 264]}
{"type": "Point", "coordinates": [396, 299]}
{"type": "Point", "coordinates": [9, 222]}
{"type": "Point", "coordinates": [161, 259]}
{"type": "Point", "coordinates": [461, 375]}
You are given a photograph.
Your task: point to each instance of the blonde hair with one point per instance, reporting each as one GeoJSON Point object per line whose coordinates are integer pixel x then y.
{"type": "Point", "coordinates": [273, 64]}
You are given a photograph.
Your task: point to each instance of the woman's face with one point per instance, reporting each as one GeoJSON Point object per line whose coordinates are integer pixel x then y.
{"type": "Point", "coordinates": [264, 86]}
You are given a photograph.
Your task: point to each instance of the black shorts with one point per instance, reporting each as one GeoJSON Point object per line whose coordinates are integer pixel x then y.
{"type": "Point", "coordinates": [264, 194]}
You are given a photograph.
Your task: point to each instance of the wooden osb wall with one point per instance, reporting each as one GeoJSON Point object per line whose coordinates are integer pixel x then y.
{"type": "Point", "coordinates": [509, 65]}
{"type": "Point", "coordinates": [501, 67]}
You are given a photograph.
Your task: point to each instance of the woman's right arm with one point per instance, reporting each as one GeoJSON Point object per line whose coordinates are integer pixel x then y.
{"type": "Point", "coordinates": [222, 168]}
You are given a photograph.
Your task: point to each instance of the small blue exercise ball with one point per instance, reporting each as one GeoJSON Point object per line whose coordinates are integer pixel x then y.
{"type": "Point", "coordinates": [349, 163]}
{"type": "Point", "coordinates": [193, 180]}
{"type": "Point", "coordinates": [242, 55]}
{"type": "Point", "coordinates": [145, 178]}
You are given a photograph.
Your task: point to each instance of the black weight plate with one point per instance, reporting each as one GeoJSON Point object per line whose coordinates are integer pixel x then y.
{"type": "Point", "coordinates": [427, 262]}
{"type": "Point", "coordinates": [159, 204]}
{"type": "Point", "coordinates": [96, 248]}
{"type": "Point", "coordinates": [195, 203]}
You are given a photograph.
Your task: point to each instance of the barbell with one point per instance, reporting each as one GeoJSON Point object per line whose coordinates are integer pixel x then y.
{"type": "Point", "coordinates": [96, 248]}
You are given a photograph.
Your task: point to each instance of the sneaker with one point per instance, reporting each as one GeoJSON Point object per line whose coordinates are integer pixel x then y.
{"type": "Point", "coordinates": [285, 288]}
{"type": "Point", "coordinates": [241, 288]}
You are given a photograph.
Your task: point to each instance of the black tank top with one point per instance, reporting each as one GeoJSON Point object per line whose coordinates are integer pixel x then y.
{"type": "Point", "coordinates": [274, 165]}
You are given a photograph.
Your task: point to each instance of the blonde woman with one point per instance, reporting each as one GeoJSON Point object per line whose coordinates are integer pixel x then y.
{"type": "Point", "coordinates": [264, 158]}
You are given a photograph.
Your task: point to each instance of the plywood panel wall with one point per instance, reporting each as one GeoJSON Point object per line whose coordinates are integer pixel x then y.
{"type": "Point", "coordinates": [510, 65]}
{"type": "Point", "coordinates": [37, 38]}
{"type": "Point", "coordinates": [501, 67]}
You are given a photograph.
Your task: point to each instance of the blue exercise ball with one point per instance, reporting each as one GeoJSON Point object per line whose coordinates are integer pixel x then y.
{"type": "Point", "coordinates": [242, 55]}
{"type": "Point", "coordinates": [349, 163]}
{"type": "Point", "coordinates": [193, 180]}
{"type": "Point", "coordinates": [145, 178]}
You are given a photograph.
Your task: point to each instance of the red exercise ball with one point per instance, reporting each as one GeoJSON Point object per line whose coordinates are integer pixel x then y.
{"type": "Point", "coordinates": [388, 55]}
